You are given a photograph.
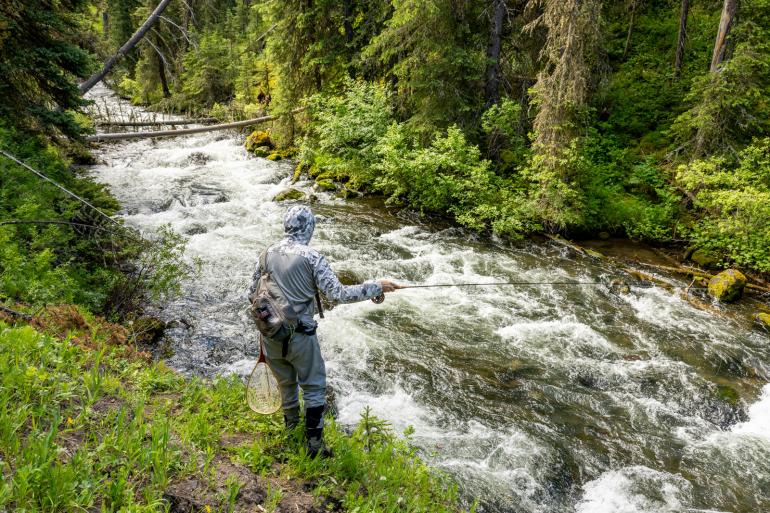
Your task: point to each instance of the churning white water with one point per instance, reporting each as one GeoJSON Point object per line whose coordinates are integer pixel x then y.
{"type": "Point", "coordinates": [536, 398]}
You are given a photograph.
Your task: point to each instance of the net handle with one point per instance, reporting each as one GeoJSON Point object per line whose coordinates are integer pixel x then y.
{"type": "Point", "coordinates": [261, 351]}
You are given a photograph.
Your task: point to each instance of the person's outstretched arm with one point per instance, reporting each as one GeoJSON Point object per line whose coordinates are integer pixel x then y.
{"type": "Point", "coordinates": [330, 286]}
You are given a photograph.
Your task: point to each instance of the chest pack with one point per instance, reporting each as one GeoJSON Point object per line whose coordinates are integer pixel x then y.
{"type": "Point", "coordinates": [272, 312]}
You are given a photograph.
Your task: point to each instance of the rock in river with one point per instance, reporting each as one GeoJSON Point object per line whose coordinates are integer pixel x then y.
{"type": "Point", "coordinates": [289, 194]}
{"type": "Point", "coordinates": [728, 285]}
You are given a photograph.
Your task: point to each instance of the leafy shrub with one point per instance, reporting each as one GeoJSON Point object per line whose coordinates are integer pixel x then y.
{"type": "Point", "coordinates": [733, 202]}
{"type": "Point", "coordinates": [346, 129]}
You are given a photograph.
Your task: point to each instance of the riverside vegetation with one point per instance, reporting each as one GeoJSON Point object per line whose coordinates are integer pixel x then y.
{"type": "Point", "coordinates": [87, 421]}
{"type": "Point", "coordinates": [640, 118]}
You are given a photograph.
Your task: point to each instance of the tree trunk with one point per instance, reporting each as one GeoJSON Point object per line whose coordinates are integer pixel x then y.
{"type": "Point", "coordinates": [105, 24]}
{"type": "Point", "coordinates": [162, 72]}
{"type": "Point", "coordinates": [347, 8]}
{"type": "Point", "coordinates": [630, 28]}
{"type": "Point", "coordinates": [682, 35]}
{"type": "Point", "coordinates": [729, 9]}
{"type": "Point", "coordinates": [127, 47]}
{"type": "Point", "coordinates": [492, 90]}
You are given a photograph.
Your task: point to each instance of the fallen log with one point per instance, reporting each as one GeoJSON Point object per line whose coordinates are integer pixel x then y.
{"type": "Point", "coordinates": [698, 273]}
{"type": "Point", "coordinates": [199, 121]}
{"type": "Point", "coordinates": [175, 133]}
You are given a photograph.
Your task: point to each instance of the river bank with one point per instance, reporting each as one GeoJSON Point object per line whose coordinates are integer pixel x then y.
{"type": "Point", "coordinates": [88, 423]}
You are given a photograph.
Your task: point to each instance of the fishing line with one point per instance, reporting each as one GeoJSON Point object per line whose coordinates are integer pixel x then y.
{"type": "Point", "coordinates": [399, 287]}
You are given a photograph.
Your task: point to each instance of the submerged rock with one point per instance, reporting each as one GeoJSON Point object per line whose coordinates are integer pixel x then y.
{"type": "Point", "coordinates": [289, 195]}
{"type": "Point", "coordinates": [727, 286]}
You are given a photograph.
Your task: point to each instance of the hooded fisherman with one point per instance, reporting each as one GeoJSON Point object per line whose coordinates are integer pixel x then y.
{"type": "Point", "coordinates": [301, 272]}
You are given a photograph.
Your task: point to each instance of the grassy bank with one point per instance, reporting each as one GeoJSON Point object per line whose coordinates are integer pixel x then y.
{"type": "Point", "coordinates": [86, 423]}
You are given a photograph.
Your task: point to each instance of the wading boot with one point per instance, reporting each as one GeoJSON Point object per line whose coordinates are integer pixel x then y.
{"type": "Point", "coordinates": [291, 418]}
{"type": "Point", "coordinates": [314, 432]}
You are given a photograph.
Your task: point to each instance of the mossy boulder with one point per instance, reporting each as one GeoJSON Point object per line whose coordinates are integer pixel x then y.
{"type": "Point", "coordinates": [325, 185]}
{"type": "Point", "coordinates": [261, 151]}
{"type": "Point", "coordinates": [705, 259]}
{"type": "Point", "coordinates": [289, 195]}
{"type": "Point", "coordinates": [763, 319]}
{"type": "Point", "coordinates": [727, 286]}
{"type": "Point", "coordinates": [314, 170]}
{"type": "Point", "coordinates": [282, 154]}
{"type": "Point", "coordinates": [259, 140]}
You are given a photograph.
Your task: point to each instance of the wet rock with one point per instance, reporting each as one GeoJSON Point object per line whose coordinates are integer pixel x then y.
{"type": "Point", "coordinates": [290, 194]}
{"type": "Point", "coordinates": [259, 140]}
{"type": "Point", "coordinates": [283, 154]}
{"type": "Point", "coordinates": [197, 158]}
{"type": "Point", "coordinates": [705, 259]}
{"type": "Point", "coordinates": [325, 185]}
{"type": "Point", "coordinates": [728, 394]}
{"type": "Point", "coordinates": [261, 151]}
{"type": "Point", "coordinates": [604, 235]}
{"type": "Point", "coordinates": [195, 229]}
{"type": "Point", "coordinates": [727, 286]}
{"type": "Point", "coordinates": [763, 319]}
{"type": "Point", "coordinates": [620, 287]}
{"type": "Point", "coordinates": [346, 193]}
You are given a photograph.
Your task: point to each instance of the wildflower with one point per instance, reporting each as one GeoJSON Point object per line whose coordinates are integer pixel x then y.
{"type": "Point", "coordinates": [70, 421]}
{"type": "Point", "coordinates": [207, 508]}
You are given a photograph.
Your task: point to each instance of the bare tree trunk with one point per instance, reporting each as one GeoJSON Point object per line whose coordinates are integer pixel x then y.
{"type": "Point", "coordinates": [492, 90]}
{"type": "Point", "coordinates": [162, 71]}
{"type": "Point", "coordinates": [682, 36]}
{"type": "Point", "coordinates": [127, 47]}
{"type": "Point", "coordinates": [347, 8]}
{"type": "Point", "coordinates": [630, 28]}
{"type": "Point", "coordinates": [105, 24]}
{"type": "Point", "coordinates": [729, 9]}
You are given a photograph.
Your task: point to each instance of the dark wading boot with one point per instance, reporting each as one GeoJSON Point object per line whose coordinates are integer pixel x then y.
{"type": "Point", "coordinates": [315, 433]}
{"type": "Point", "coordinates": [291, 418]}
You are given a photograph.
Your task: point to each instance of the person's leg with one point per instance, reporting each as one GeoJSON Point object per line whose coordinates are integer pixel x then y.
{"type": "Point", "coordinates": [305, 355]}
{"type": "Point", "coordinates": [286, 376]}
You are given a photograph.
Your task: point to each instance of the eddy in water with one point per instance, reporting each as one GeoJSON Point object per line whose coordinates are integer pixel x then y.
{"type": "Point", "coordinates": [290, 273]}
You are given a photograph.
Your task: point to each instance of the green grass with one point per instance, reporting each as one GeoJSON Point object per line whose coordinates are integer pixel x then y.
{"type": "Point", "coordinates": [87, 430]}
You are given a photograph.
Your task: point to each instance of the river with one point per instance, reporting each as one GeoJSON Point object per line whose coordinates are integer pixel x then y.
{"type": "Point", "coordinates": [535, 398]}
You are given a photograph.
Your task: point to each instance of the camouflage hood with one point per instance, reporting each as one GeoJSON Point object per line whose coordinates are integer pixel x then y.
{"type": "Point", "coordinates": [299, 223]}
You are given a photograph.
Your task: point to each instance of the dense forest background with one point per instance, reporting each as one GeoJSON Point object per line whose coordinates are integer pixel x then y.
{"type": "Point", "coordinates": [641, 118]}
{"type": "Point", "coordinates": [645, 118]}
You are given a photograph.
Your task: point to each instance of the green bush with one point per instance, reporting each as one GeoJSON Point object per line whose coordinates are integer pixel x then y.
{"type": "Point", "coordinates": [346, 129]}
{"type": "Point", "coordinates": [733, 205]}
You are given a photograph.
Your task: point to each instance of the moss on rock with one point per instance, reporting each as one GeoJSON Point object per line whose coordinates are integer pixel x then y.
{"type": "Point", "coordinates": [727, 286]}
{"type": "Point", "coordinates": [763, 319]}
{"type": "Point", "coordinates": [259, 139]}
{"type": "Point", "coordinates": [705, 259]}
{"type": "Point", "coordinates": [290, 194]}
{"type": "Point", "coordinates": [325, 185]}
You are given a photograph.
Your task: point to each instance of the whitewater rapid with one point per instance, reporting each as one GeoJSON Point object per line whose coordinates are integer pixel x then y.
{"type": "Point", "coordinates": [535, 398]}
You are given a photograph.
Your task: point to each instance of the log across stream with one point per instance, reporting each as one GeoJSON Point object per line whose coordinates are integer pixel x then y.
{"type": "Point", "coordinates": [534, 398]}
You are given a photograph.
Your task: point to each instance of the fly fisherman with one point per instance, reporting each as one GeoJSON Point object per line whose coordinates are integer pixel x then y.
{"type": "Point", "coordinates": [300, 272]}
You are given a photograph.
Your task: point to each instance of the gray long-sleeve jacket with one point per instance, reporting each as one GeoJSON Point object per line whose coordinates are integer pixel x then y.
{"type": "Point", "coordinates": [300, 271]}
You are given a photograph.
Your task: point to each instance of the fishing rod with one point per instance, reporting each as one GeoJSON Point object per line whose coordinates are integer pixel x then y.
{"type": "Point", "coordinates": [379, 299]}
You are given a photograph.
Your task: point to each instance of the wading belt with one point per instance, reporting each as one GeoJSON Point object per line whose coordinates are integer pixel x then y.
{"type": "Point", "coordinates": [301, 328]}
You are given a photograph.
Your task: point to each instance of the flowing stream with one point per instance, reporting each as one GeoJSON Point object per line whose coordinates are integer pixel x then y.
{"type": "Point", "coordinates": [535, 398]}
